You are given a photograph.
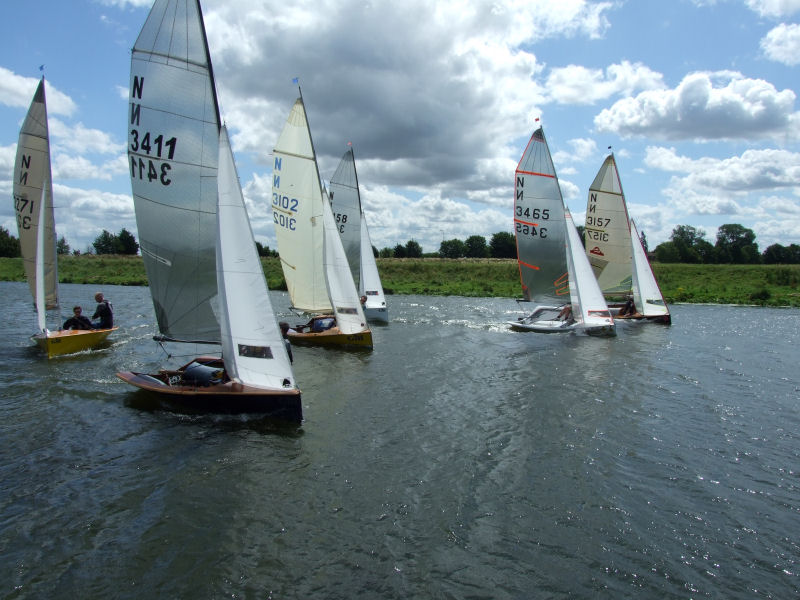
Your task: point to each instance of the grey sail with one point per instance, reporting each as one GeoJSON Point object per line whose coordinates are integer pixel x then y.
{"type": "Point", "coordinates": [539, 225]}
{"type": "Point", "coordinates": [173, 146]}
{"type": "Point", "coordinates": [346, 205]}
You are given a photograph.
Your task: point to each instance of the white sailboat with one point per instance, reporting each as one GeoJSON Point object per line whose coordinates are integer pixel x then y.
{"type": "Point", "coordinates": [352, 225]}
{"type": "Point", "coordinates": [312, 256]}
{"type": "Point", "coordinates": [33, 204]}
{"type": "Point", "coordinates": [552, 268]}
{"type": "Point", "coordinates": [647, 296]}
{"type": "Point", "coordinates": [607, 232]}
{"type": "Point", "coordinates": [205, 277]}
{"type": "Point", "coordinates": [614, 248]}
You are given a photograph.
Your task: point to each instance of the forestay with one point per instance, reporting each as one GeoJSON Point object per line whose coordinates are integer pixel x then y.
{"type": "Point", "coordinates": [173, 146]}
{"type": "Point", "coordinates": [33, 201]}
{"type": "Point", "coordinates": [297, 213]}
{"type": "Point", "coordinates": [539, 225]}
{"type": "Point", "coordinates": [252, 345]}
{"type": "Point", "coordinates": [607, 233]}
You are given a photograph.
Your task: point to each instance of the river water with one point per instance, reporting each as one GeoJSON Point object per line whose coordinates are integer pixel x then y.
{"type": "Point", "coordinates": [457, 460]}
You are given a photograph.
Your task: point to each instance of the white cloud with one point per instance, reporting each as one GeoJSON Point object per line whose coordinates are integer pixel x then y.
{"type": "Point", "coordinates": [734, 187]}
{"type": "Point", "coordinates": [774, 8]}
{"type": "Point", "coordinates": [17, 91]}
{"type": "Point", "coordinates": [782, 44]}
{"type": "Point", "coordinates": [706, 106]}
{"type": "Point", "coordinates": [81, 139]}
{"type": "Point", "coordinates": [576, 84]}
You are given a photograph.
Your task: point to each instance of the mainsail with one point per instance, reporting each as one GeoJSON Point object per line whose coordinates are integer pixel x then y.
{"type": "Point", "coordinates": [297, 200]}
{"type": "Point", "coordinates": [33, 202]}
{"type": "Point", "coordinates": [173, 151]}
{"type": "Point", "coordinates": [607, 233]}
{"type": "Point", "coordinates": [346, 205]}
{"type": "Point", "coordinates": [539, 225]}
{"type": "Point", "coordinates": [647, 295]}
{"type": "Point", "coordinates": [252, 345]}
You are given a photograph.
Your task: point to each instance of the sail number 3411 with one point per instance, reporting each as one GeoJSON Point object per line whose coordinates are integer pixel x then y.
{"type": "Point", "coordinates": [147, 168]}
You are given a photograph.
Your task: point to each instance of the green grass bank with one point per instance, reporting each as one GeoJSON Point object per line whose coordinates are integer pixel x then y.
{"type": "Point", "coordinates": [767, 285]}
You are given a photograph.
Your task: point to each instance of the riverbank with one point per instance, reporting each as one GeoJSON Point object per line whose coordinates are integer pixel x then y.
{"type": "Point", "coordinates": [768, 285]}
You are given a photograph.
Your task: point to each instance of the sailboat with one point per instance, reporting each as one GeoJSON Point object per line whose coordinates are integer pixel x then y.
{"type": "Point", "coordinates": [33, 204]}
{"type": "Point", "coordinates": [554, 271]}
{"type": "Point", "coordinates": [352, 224]}
{"type": "Point", "coordinates": [614, 248]}
{"type": "Point", "coordinates": [313, 259]}
{"type": "Point", "coordinates": [205, 276]}
{"type": "Point", "coordinates": [607, 232]}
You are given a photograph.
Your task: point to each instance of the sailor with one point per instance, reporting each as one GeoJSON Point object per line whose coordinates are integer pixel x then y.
{"type": "Point", "coordinates": [628, 309]}
{"type": "Point", "coordinates": [104, 312]}
{"type": "Point", "coordinates": [77, 320]}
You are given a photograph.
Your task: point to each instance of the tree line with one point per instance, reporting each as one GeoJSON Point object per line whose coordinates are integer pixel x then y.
{"type": "Point", "coordinates": [735, 244]}
{"type": "Point", "coordinates": [123, 242]}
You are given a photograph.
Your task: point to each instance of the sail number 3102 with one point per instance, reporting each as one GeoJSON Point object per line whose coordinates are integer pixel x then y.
{"type": "Point", "coordinates": [280, 206]}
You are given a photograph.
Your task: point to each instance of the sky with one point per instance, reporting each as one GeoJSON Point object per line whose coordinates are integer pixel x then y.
{"type": "Point", "coordinates": [697, 99]}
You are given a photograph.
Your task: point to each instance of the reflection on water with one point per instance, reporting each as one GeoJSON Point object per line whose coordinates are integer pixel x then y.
{"type": "Point", "coordinates": [458, 459]}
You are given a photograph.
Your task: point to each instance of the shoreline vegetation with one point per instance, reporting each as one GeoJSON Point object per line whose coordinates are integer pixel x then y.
{"type": "Point", "coordinates": [765, 285]}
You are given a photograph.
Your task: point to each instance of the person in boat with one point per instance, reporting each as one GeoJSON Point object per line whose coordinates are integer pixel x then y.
{"type": "Point", "coordinates": [363, 300]}
{"type": "Point", "coordinates": [565, 314]}
{"type": "Point", "coordinates": [317, 324]}
{"type": "Point", "coordinates": [77, 320]}
{"type": "Point", "coordinates": [104, 312]}
{"type": "Point", "coordinates": [628, 309]}
{"type": "Point", "coordinates": [285, 329]}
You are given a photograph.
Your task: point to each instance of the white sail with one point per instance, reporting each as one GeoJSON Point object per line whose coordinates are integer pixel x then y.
{"type": "Point", "coordinates": [41, 240]}
{"type": "Point", "coordinates": [173, 147]}
{"type": "Point", "coordinates": [341, 287]}
{"type": "Point", "coordinates": [589, 307]}
{"type": "Point", "coordinates": [33, 201]}
{"type": "Point", "coordinates": [346, 205]}
{"type": "Point", "coordinates": [539, 225]}
{"type": "Point", "coordinates": [370, 285]}
{"type": "Point", "coordinates": [647, 296]}
{"type": "Point", "coordinates": [297, 213]}
{"type": "Point", "coordinates": [252, 344]}
{"type": "Point", "coordinates": [607, 233]}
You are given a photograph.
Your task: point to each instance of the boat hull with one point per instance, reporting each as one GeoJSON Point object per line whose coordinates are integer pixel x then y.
{"type": "Point", "coordinates": [663, 319]}
{"type": "Point", "coordinates": [173, 387]}
{"type": "Point", "coordinates": [379, 314]}
{"type": "Point", "coordinates": [333, 337]}
{"type": "Point", "coordinates": [543, 326]}
{"type": "Point", "coordinates": [70, 341]}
